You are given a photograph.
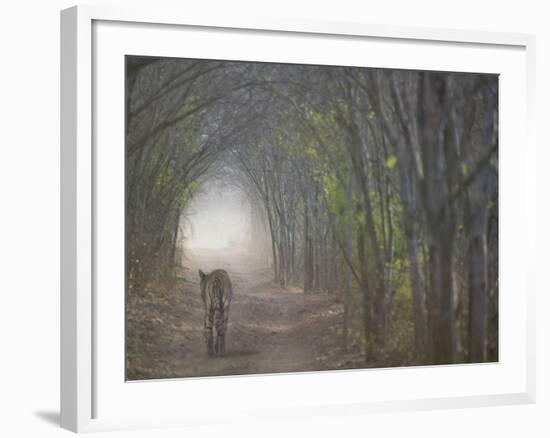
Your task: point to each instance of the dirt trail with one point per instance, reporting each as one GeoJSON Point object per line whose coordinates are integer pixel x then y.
{"type": "Point", "coordinates": [270, 329]}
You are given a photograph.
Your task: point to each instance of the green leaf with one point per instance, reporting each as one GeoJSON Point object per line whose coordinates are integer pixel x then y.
{"type": "Point", "coordinates": [391, 161]}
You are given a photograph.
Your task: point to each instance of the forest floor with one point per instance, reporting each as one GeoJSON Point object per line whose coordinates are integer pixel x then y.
{"type": "Point", "coordinates": [270, 329]}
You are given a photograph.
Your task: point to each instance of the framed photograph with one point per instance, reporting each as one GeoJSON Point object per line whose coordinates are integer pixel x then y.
{"type": "Point", "coordinates": [253, 208]}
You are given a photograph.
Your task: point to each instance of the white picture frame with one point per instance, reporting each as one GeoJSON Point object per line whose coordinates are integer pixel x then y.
{"type": "Point", "coordinates": [86, 376]}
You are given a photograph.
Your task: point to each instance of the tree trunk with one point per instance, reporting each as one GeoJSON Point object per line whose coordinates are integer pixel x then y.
{"type": "Point", "coordinates": [477, 288]}
{"type": "Point", "coordinates": [308, 256]}
{"type": "Point", "coordinates": [367, 316]}
{"type": "Point", "coordinates": [420, 323]}
{"type": "Point", "coordinates": [349, 255]}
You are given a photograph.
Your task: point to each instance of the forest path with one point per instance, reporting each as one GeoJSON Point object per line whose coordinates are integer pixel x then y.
{"type": "Point", "coordinates": [270, 329]}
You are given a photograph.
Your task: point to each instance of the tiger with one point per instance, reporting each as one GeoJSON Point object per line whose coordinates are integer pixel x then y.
{"type": "Point", "coordinates": [216, 294]}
